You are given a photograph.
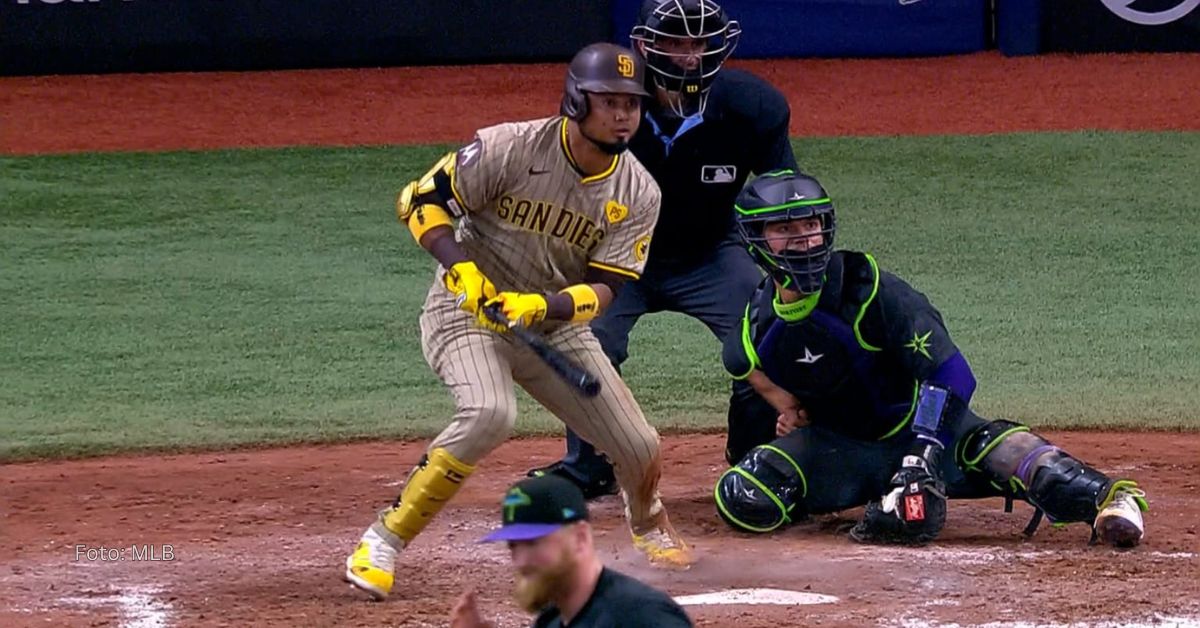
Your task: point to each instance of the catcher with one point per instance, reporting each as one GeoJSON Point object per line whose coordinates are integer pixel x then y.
{"type": "Point", "coordinates": [552, 216]}
{"type": "Point", "coordinates": [869, 398]}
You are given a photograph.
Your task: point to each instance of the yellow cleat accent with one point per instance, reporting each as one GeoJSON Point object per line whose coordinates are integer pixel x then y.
{"type": "Point", "coordinates": [372, 565]}
{"type": "Point", "coordinates": [663, 547]}
{"type": "Point", "coordinates": [433, 483]}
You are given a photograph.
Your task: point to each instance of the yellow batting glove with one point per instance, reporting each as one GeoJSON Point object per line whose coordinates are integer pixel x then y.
{"type": "Point", "coordinates": [522, 308]}
{"type": "Point", "coordinates": [469, 285]}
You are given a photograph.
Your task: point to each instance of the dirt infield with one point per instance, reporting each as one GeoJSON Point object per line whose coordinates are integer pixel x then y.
{"type": "Point", "coordinates": [258, 536]}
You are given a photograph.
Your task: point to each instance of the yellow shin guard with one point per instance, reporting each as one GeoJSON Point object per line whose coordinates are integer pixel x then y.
{"type": "Point", "coordinates": [430, 486]}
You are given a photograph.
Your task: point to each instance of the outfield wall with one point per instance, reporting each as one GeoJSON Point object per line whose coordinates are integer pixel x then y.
{"type": "Point", "coordinates": [98, 36]}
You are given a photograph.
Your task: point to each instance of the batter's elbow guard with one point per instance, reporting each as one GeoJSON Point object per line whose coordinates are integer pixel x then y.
{"type": "Point", "coordinates": [434, 188]}
{"type": "Point", "coordinates": [760, 493]}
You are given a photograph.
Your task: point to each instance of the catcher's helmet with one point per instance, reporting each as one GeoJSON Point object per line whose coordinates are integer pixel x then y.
{"type": "Point", "coordinates": [702, 20]}
{"type": "Point", "coordinates": [601, 69]}
{"type": "Point", "coordinates": [781, 196]}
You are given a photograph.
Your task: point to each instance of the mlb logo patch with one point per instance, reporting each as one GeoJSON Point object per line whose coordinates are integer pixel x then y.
{"type": "Point", "coordinates": [718, 174]}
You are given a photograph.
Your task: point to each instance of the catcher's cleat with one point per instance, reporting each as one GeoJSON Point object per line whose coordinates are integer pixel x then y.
{"type": "Point", "coordinates": [663, 547]}
{"type": "Point", "coordinates": [1120, 521]}
{"type": "Point", "coordinates": [592, 487]}
{"type": "Point", "coordinates": [373, 562]}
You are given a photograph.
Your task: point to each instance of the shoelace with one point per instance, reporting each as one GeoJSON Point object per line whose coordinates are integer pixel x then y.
{"type": "Point", "coordinates": [1131, 492]}
{"type": "Point", "coordinates": [1127, 497]}
{"type": "Point", "coordinates": [382, 555]}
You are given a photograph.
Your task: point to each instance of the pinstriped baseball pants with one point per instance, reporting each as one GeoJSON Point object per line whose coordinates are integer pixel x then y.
{"type": "Point", "coordinates": [480, 367]}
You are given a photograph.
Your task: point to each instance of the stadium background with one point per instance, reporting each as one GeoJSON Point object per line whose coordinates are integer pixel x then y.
{"type": "Point", "coordinates": [169, 290]}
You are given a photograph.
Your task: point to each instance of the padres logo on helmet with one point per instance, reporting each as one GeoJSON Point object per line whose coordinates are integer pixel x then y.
{"type": "Point", "coordinates": [625, 66]}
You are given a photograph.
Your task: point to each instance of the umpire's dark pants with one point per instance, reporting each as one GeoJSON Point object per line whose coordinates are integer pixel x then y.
{"type": "Point", "coordinates": [714, 291]}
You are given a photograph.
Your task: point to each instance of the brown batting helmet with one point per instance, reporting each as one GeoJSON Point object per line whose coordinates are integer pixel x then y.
{"type": "Point", "coordinates": [601, 69]}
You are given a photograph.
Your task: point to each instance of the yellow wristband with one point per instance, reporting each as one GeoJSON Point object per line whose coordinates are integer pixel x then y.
{"type": "Point", "coordinates": [586, 302]}
{"type": "Point", "coordinates": [426, 217]}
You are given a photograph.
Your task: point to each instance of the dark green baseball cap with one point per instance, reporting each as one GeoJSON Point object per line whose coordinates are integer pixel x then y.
{"type": "Point", "coordinates": [535, 507]}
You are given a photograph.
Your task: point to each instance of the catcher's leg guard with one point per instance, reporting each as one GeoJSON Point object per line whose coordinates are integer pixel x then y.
{"type": "Point", "coordinates": [433, 483]}
{"type": "Point", "coordinates": [760, 493]}
{"type": "Point", "coordinates": [1028, 467]}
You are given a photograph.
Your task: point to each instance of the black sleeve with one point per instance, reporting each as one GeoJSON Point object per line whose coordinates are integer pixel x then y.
{"type": "Point", "coordinates": [912, 328]}
{"type": "Point", "coordinates": [773, 150]}
{"type": "Point", "coordinates": [544, 619]}
{"type": "Point", "coordinates": [737, 352]}
{"type": "Point", "coordinates": [658, 613]}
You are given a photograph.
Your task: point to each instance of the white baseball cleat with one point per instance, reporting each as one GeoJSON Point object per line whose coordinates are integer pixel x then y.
{"type": "Point", "coordinates": [372, 565]}
{"type": "Point", "coordinates": [1120, 520]}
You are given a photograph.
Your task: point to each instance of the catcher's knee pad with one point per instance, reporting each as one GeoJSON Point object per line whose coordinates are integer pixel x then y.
{"type": "Point", "coordinates": [977, 450]}
{"type": "Point", "coordinates": [430, 485]}
{"type": "Point", "coordinates": [1026, 466]}
{"type": "Point", "coordinates": [761, 491]}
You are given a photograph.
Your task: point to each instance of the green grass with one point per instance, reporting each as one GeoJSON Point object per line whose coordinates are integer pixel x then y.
{"type": "Point", "coordinates": [226, 298]}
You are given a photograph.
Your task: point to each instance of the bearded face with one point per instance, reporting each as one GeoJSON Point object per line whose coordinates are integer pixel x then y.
{"type": "Point", "coordinates": [544, 568]}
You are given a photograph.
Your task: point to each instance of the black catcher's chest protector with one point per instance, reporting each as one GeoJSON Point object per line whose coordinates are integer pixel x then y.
{"type": "Point", "coordinates": [820, 358]}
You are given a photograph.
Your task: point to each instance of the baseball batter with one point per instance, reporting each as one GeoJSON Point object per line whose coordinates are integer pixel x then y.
{"type": "Point", "coordinates": [552, 216]}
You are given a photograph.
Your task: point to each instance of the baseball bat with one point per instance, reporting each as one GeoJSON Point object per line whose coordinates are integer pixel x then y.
{"type": "Point", "coordinates": [573, 374]}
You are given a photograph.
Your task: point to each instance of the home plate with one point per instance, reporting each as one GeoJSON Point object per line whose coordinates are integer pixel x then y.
{"type": "Point", "coordinates": [778, 597]}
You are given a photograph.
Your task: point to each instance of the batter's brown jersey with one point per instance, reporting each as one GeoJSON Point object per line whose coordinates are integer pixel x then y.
{"type": "Point", "coordinates": [533, 222]}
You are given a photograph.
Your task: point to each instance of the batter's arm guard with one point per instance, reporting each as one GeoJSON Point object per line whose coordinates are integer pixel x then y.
{"type": "Point", "coordinates": [430, 202]}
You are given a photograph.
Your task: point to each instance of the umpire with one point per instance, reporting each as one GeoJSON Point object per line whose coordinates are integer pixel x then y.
{"type": "Point", "coordinates": [703, 132]}
{"type": "Point", "coordinates": [559, 575]}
